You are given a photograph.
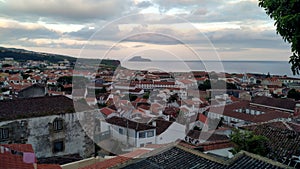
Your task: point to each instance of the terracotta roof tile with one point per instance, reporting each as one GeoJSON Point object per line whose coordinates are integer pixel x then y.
{"type": "Point", "coordinates": [107, 111]}
{"type": "Point", "coordinates": [108, 163]}
{"type": "Point", "coordinates": [11, 161]}
{"type": "Point", "coordinates": [49, 166]}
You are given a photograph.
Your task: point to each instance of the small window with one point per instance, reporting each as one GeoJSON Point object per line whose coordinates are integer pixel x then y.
{"type": "Point", "coordinates": [142, 135]}
{"type": "Point", "coordinates": [142, 145]}
{"type": "Point", "coordinates": [58, 146]}
{"type": "Point", "coordinates": [150, 133]}
{"type": "Point", "coordinates": [58, 124]}
{"type": "Point", "coordinates": [121, 131]}
{"type": "Point", "coordinates": [4, 133]}
{"type": "Point", "coordinates": [149, 143]}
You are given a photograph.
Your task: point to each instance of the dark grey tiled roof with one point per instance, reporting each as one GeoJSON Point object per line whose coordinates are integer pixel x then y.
{"type": "Point", "coordinates": [35, 107]}
{"type": "Point", "coordinates": [180, 158]}
{"type": "Point", "coordinates": [123, 122]}
{"type": "Point", "coordinates": [275, 102]}
{"type": "Point", "coordinates": [284, 140]}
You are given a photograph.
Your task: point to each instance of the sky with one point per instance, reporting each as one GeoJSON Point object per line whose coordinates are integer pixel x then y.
{"type": "Point", "coordinates": [155, 29]}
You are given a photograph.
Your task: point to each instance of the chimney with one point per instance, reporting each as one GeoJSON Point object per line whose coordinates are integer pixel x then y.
{"type": "Point", "coordinates": [297, 110]}
{"type": "Point", "coordinates": [154, 123]}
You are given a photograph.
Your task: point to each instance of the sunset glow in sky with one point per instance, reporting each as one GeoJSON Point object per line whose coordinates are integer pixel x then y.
{"type": "Point", "coordinates": [236, 29]}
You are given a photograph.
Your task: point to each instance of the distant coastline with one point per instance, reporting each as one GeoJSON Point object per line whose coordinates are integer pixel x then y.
{"type": "Point", "coordinates": [263, 67]}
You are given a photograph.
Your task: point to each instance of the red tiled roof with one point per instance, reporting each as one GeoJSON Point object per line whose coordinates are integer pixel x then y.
{"type": "Point", "coordinates": [107, 111]}
{"type": "Point", "coordinates": [230, 110]}
{"type": "Point", "coordinates": [18, 87]}
{"type": "Point", "coordinates": [216, 145]}
{"type": "Point", "coordinates": [234, 98]}
{"type": "Point", "coordinates": [275, 102]}
{"type": "Point", "coordinates": [202, 118]}
{"type": "Point", "coordinates": [136, 90]}
{"type": "Point", "coordinates": [145, 107]}
{"type": "Point", "coordinates": [136, 153]}
{"type": "Point", "coordinates": [11, 161]}
{"type": "Point", "coordinates": [140, 100]}
{"type": "Point", "coordinates": [201, 78]}
{"type": "Point", "coordinates": [49, 166]}
{"type": "Point", "coordinates": [107, 163]}
{"type": "Point", "coordinates": [186, 81]}
{"type": "Point", "coordinates": [164, 83]}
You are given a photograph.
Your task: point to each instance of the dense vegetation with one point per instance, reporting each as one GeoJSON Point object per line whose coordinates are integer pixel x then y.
{"type": "Point", "coordinates": [286, 14]}
{"type": "Point", "coordinates": [293, 94]}
{"type": "Point", "coordinates": [247, 141]}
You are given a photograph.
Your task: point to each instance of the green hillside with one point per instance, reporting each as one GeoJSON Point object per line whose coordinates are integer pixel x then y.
{"type": "Point", "coordinates": [23, 55]}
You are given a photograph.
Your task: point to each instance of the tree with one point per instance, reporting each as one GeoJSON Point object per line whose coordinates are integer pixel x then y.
{"type": "Point", "coordinates": [247, 141]}
{"type": "Point", "coordinates": [6, 65]}
{"type": "Point", "coordinates": [197, 128]}
{"type": "Point", "coordinates": [231, 86]}
{"type": "Point", "coordinates": [258, 82]}
{"type": "Point", "coordinates": [268, 75]}
{"type": "Point", "coordinates": [146, 95]}
{"type": "Point", "coordinates": [132, 97]}
{"type": "Point", "coordinates": [65, 80]}
{"type": "Point", "coordinates": [206, 85]}
{"type": "Point", "coordinates": [294, 94]}
{"type": "Point", "coordinates": [286, 14]}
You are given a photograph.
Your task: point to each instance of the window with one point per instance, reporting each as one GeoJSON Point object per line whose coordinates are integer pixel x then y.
{"type": "Point", "coordinates": [58, 146]}
{"type": "Point", "coordinates": [4, 133]}
{"type": "Point", "coordinates": [150, 133]}
{"type": "Point", "coordinates": [142, 135]}
{"type": "Point", "coordinates": [121, 131]}
{"type": "Point", "coordinates": [58, 124]}
{"type": "Point", "coordinates": [142, 145]}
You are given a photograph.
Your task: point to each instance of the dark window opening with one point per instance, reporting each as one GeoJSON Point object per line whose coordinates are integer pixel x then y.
{"type": "Point", "coordinates": [58, 125]}
{"type": "Point", "coordinates": [142, 135]}
{"type": "Point", "coordinates": [150, 133]}
{"type": "Point", "coordinates": [58, 146]}
{"type": "Point", "coordinates": [121, 131]}
{"type": "Point", "coordinates": [4, 133]}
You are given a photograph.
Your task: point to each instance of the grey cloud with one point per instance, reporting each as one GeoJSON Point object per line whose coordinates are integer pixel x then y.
{"type": "Point", "coordinates": [199, 11]}
{"type": "Point", "coordinates": [166, 5]}
{"type": "Point", "coordinates": [233, 49]}
{"type": "Point", "coordinates": [64, 11]}
{"type": "Point", "coordinates": [246, 39]}
{"type": "Point", "coordinates": [144, 4]}
{"type": "Point", "coordinates": [12, 33]}
{"type": "Point", "coordinates": [205, 11]}
{"type": "Point", "coordinates": [153, 38]}
{"type": "Point", "coordinates": [139, 46]}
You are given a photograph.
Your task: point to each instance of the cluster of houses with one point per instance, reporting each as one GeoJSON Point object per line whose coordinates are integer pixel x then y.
{"type": "Point", "coordinates": [118, 112]}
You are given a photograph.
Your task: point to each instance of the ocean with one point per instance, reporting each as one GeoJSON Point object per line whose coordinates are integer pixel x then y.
{"type": "Point", "coordinates": [262, 67]}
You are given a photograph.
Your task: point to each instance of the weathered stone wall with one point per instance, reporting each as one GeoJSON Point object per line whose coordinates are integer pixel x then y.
{"type": "Point", "coordinates": [40, 133]}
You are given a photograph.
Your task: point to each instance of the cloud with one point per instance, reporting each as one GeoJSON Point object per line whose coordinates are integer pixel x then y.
{"type": "Point", "coordinates": [64, 11]}
{"type": "Point", "coordinates": [232, 26]}
{"type": "Point", "coordinates": [246, 38]}
{"type": "Point", "coordinates": [166, 5]}
{"type": "Point", "coordinates": [144, 4]}
{"type": "Point", "coordinates": [14, 30]}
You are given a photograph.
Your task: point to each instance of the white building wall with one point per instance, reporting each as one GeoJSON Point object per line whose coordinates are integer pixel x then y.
{"type": "Point", "coordinates": [147, 139]}
{"type": "Point", "coordinates": [174, 132]}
